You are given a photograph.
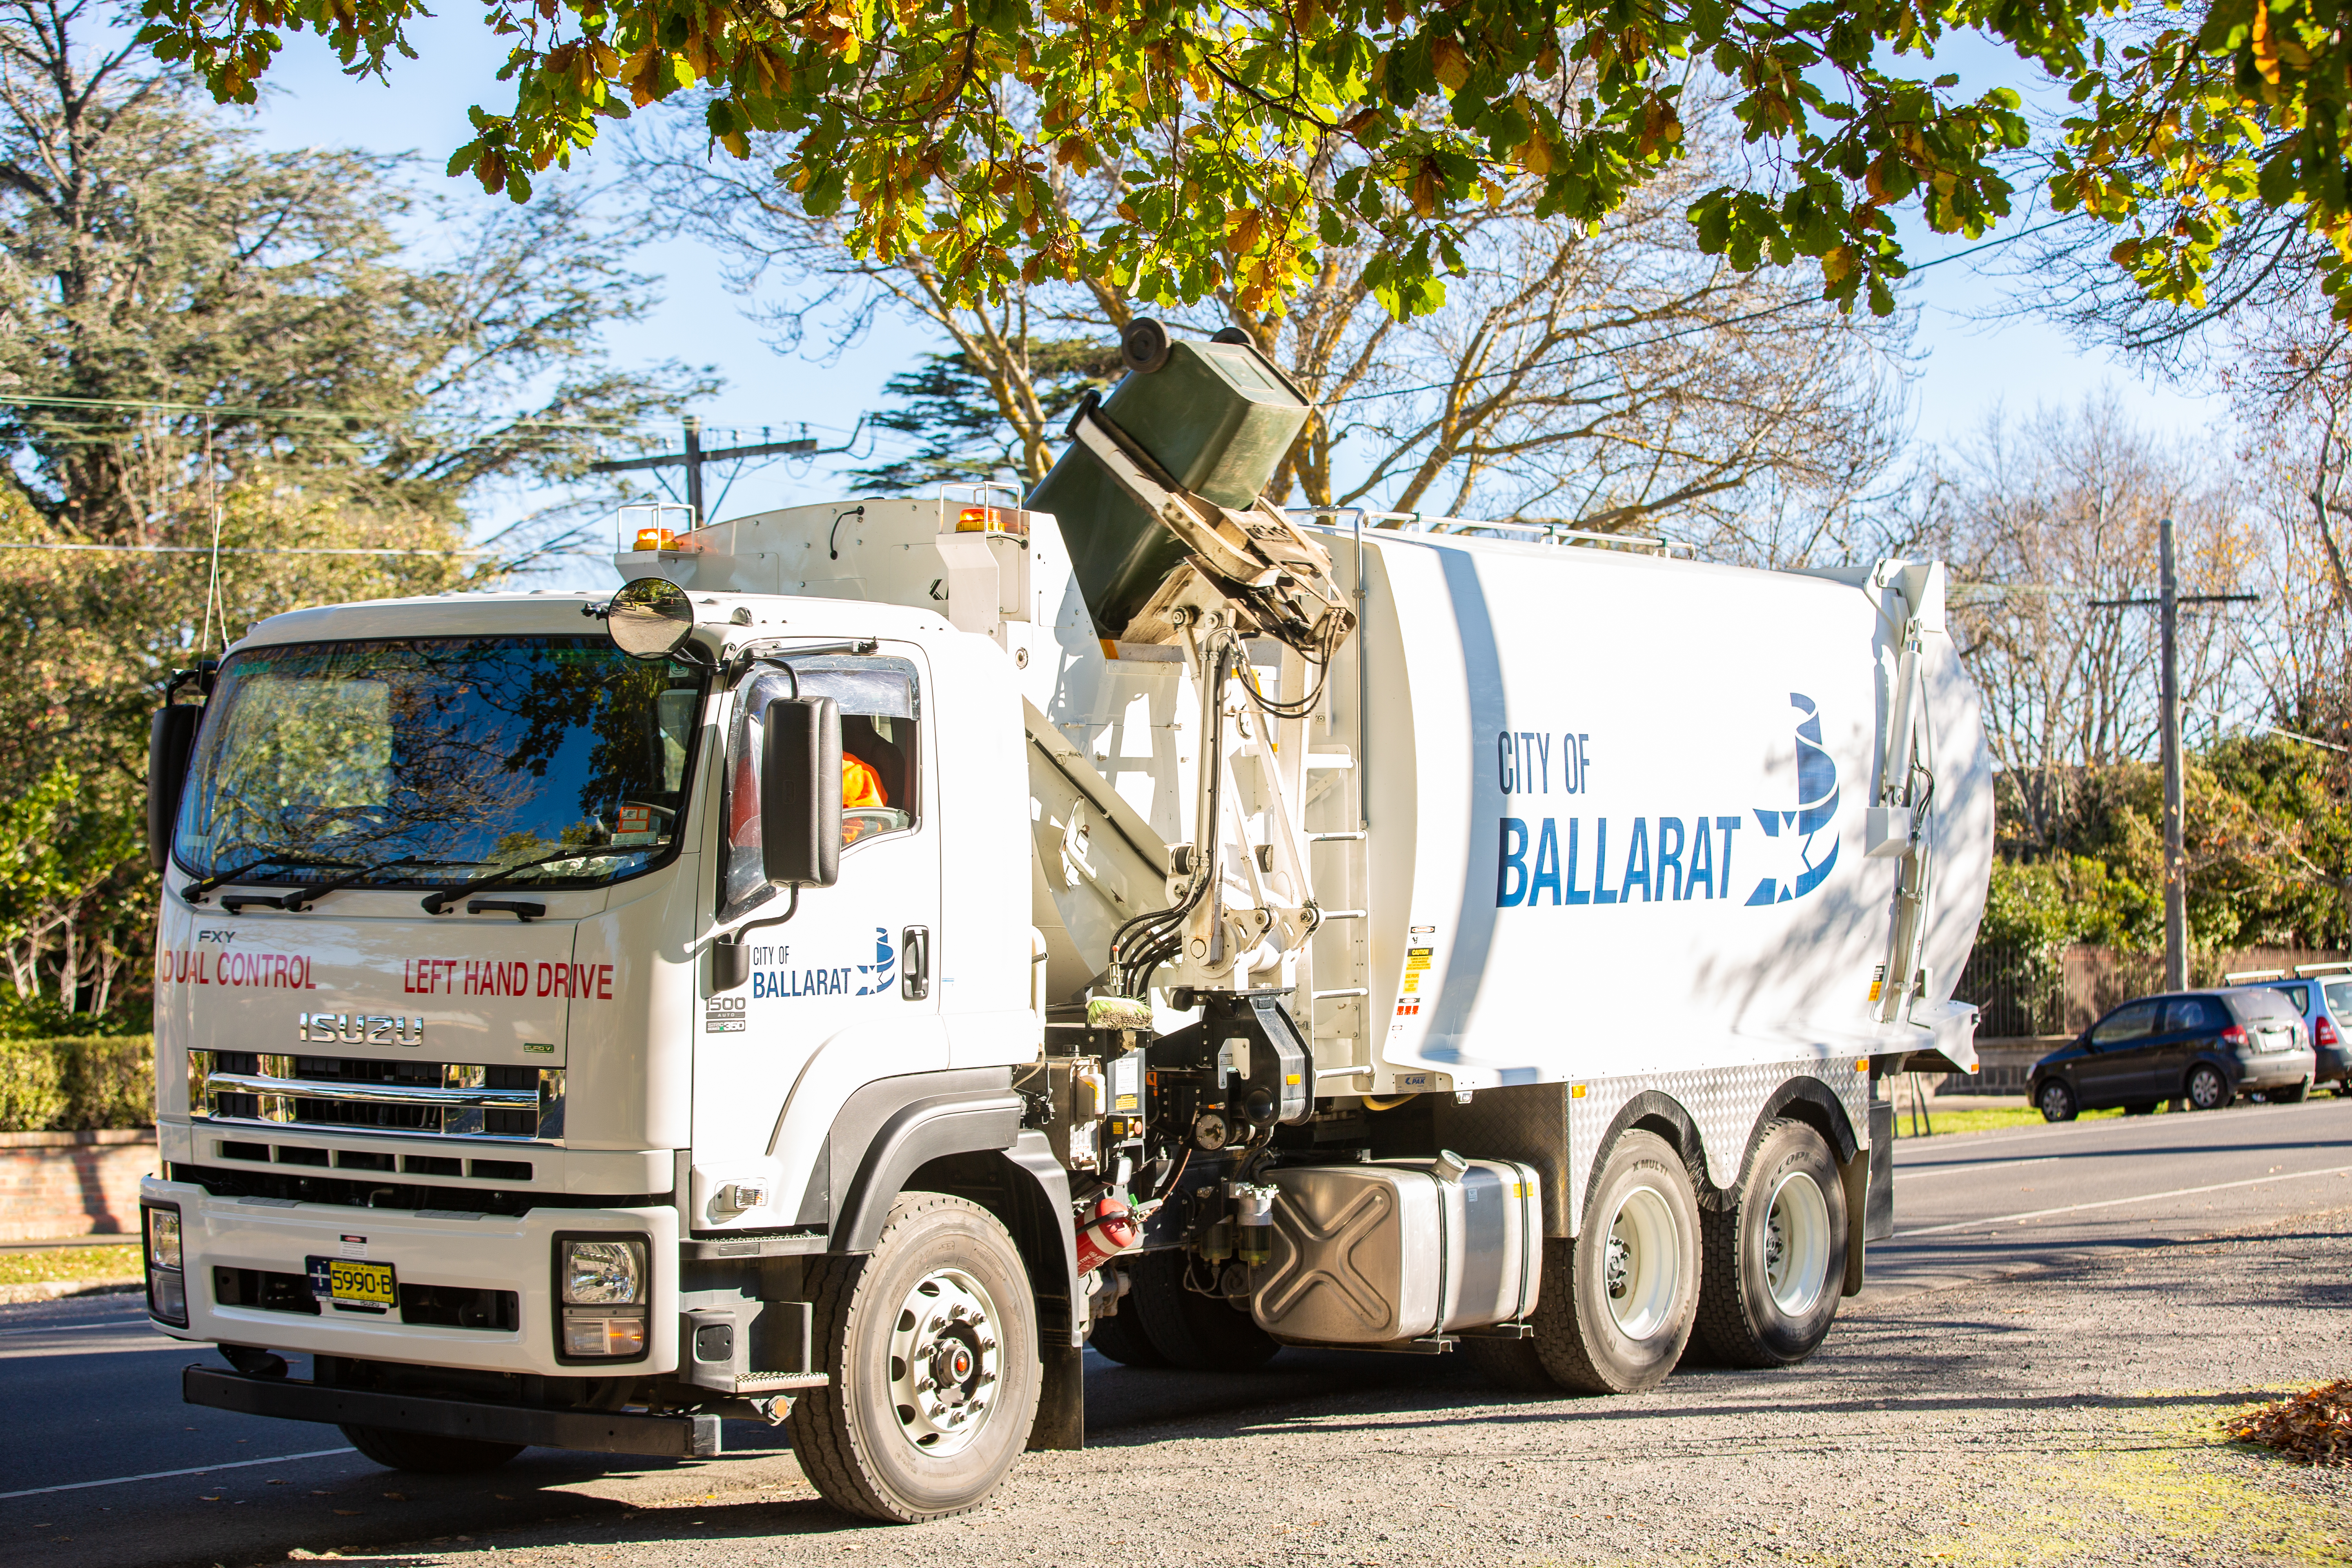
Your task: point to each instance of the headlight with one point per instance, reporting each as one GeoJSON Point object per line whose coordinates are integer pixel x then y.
{"type": "Point", "coordinates": [603, 1273]}
{"type": "Point", "coordinates": [602, 1288]}
{"type": "Point", "coordinates": [163, 1238]}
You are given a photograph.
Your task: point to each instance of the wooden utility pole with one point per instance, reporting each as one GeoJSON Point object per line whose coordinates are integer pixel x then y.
{"type": "Point", "coordinates": [693, 457]}
{"type": "Point", "coordinates": [2176, 855]}
{"type": "Point", "coordinates": [2167, 605]}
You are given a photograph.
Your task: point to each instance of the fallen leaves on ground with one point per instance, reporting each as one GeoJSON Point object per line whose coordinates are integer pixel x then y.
{"type": "Point", "coordinates": [2314, 1427]}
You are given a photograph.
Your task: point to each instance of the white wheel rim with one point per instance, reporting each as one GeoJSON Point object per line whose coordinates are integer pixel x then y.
{"type": "Point", "coordinates": [944, 1362]}
{"type": "Point", "coordinates": [1796, 1244]}
{"type": "Point", "coordinates": [2205, 1089]}
{"type": "Point", "coordinates": [1643, 1268]}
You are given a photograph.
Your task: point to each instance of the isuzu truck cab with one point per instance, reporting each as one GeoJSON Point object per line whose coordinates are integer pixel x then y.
{"type": "Point", "coordinates": [879, 950]}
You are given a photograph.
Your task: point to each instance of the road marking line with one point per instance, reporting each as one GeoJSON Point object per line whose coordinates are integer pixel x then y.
{"type": "Point", "coordinates": [166, 1475]}
{"type": "Point", "coordinates": [2111, 1203]}
{"type": "Point", "coordinates": [1979, 1165]}
{"type": "Point", "coordinates": [125, 1322]}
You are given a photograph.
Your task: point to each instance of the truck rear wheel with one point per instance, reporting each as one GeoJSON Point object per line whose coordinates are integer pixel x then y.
{"type": "Point", "coordinates": [1197, 1333]}
{"type": "Point", "coordinates": [427, 1455]}
{"type": "Point", "coordinates": [1120, 1338]}
{"type": "Point", "coordinates": [931, 1340]}
{"type": "Point", "coordinates": [1775, 1261]}
{"type": "Point", "coordinates": [1615, 1305]}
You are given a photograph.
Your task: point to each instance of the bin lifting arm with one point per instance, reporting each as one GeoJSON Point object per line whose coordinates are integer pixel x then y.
{"type": "Point", "coordinates": [1272, 579]}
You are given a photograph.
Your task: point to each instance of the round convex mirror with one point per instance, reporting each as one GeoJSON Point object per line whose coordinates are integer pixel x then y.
{"type": "Point", "coordinates": [650, 619]}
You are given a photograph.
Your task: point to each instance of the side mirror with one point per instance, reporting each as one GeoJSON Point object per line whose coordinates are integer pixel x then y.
{"type": "Point", "coordinates": [171, 737]}
{"type": "Point", "coordinates": [650, 619]}
{"type": "Point", "coordinates": [800, 790]}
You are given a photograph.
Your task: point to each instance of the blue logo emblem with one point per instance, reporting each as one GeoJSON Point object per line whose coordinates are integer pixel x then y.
{"type": "Point", "coordinates": [1814, 818]}
{"type": "Point", "coordinates": [876, 977]}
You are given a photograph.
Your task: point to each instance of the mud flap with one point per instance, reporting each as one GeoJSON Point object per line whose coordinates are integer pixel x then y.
{"type": "Point", "coordinates": [1061, 1400]}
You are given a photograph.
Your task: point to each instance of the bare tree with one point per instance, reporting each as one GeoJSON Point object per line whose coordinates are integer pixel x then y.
{"type": "Point", "coordinates": [2047, 524]}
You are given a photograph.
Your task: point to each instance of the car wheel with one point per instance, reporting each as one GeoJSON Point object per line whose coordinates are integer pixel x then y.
{"type": "Point", "coordinates": [2056, 1101]}
{"type": "Point", "coordinates": [2208, 1089]}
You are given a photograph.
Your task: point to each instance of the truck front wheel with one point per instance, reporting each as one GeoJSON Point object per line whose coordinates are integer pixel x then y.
{"type": "Point", "coordinates": [426, 1455]}
{"type": "Point", "coordinates": [931, 1340]}
{"type": "Point", "coordinates": [1775, 1261]}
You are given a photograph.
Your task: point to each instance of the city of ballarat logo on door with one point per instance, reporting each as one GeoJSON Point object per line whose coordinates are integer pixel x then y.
{"type": "Point", "coordinates": [774, 974]}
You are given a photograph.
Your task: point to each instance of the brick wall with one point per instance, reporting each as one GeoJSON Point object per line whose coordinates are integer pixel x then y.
{"type": "Point", "coordinates": [72, 1184]}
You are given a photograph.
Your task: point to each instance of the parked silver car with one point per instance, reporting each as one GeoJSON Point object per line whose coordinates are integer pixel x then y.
{"type": "Point", "coordinates": [2322, 993]}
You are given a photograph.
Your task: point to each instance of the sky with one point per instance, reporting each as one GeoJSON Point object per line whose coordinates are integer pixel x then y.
{"type": "Point", "coordinates": [1967, 365]}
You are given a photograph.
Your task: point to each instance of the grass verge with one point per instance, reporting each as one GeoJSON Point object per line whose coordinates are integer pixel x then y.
{"type": "Point", "coordinates": [53, 1263]}
{"type": "Point", "coordinates": [1989, 1120]}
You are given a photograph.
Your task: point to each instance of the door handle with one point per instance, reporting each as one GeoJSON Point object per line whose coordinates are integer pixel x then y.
{"type": "Point", "coordinates": [915, 962]}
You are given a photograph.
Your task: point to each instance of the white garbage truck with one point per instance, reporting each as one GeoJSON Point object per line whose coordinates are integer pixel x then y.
{"type": "Point", "coordinates": [882, 949]}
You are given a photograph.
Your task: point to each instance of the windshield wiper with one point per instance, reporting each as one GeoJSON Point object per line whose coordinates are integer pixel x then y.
{"type": "Point", "coordinates": [298, 899]}
{"type": "Point", "coordinates": [195, 892]}
{"type": "Point", "coordinates": [436, 902]}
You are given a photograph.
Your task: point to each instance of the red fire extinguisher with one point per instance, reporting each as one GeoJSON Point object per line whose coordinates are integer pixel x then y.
{"type": "Point", "coordinates": [1110, 1228]}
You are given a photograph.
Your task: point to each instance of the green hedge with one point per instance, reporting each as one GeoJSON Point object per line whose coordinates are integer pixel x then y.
{"type": "Point", "coordinates": [76, 1083]}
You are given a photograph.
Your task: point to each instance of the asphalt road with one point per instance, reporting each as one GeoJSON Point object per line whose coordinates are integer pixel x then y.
{"type": "Point", "coordinates": [101, 1463]}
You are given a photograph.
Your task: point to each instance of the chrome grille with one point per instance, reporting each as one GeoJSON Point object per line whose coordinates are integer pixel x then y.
{"type": "Point", "coordinates": [439, 1100]}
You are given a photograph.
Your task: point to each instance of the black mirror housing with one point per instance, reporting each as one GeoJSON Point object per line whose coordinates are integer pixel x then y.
{"type": "Point", "coordinates": [800, 792]}
{"type": "Point", "coordinates": [171, 739]}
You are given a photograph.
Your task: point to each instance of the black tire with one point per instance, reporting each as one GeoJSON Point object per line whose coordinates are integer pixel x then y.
{"type": "Point", "coordinates": [1120, 1336]}
{"type": "Point", "coordinates": [425, 1454]}
{"type": "Point", "coordinates": [2293, 1094]}
{"type": "Point", "coordinates": [2207, 1089]}
{"type": "Point", "coordinates": [1774, 1262]}
{"type": "Point", "coordinates": [1516, 1364]}
{"type": "Point", "coordinates": [1583, 1341]}
{"type": "Point", "coordinates": [888, 1453]}
{"type": "Point", "coordinates": [2055, 1099]}
{"type": "Point", "coordinates": [1197, 1333]}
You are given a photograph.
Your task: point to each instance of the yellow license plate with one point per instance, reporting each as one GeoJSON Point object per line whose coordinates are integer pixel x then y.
{"type": "Point", "coordinates": [344, 1282]}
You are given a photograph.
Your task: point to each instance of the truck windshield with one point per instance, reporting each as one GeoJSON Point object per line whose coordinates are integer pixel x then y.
{"type": "Point", "coordinates": [435, 760]}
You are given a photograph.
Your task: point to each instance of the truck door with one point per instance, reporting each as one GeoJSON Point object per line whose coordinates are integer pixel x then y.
{"type": "Point", "coordinates": [853, 970]}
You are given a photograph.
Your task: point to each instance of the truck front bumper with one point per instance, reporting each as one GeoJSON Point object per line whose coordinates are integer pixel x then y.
{"type": "Point", "coordinates": [291, 1399]}
{"type": "Point", "coordinates": [457, 1251]}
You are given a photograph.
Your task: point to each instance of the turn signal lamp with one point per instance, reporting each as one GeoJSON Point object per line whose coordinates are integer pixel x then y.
{"type": "Point", "coordinates": [993, 520]}
{"type": "Point", "coordinates": [2323, 1031]}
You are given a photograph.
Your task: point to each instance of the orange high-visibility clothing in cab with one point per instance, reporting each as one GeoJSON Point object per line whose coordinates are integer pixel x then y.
{"type": "Point", "coordinates": [860, 784]}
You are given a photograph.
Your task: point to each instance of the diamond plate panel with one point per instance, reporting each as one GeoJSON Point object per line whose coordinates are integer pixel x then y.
{"type": "Point", "coordinates": [1722, 1102]}
{"type": "Point", "coordinates": [1527, 1123]}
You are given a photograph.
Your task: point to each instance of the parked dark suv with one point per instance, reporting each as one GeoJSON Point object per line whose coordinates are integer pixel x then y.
{"type": "Point", "coordinates": [2202, 1048]}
